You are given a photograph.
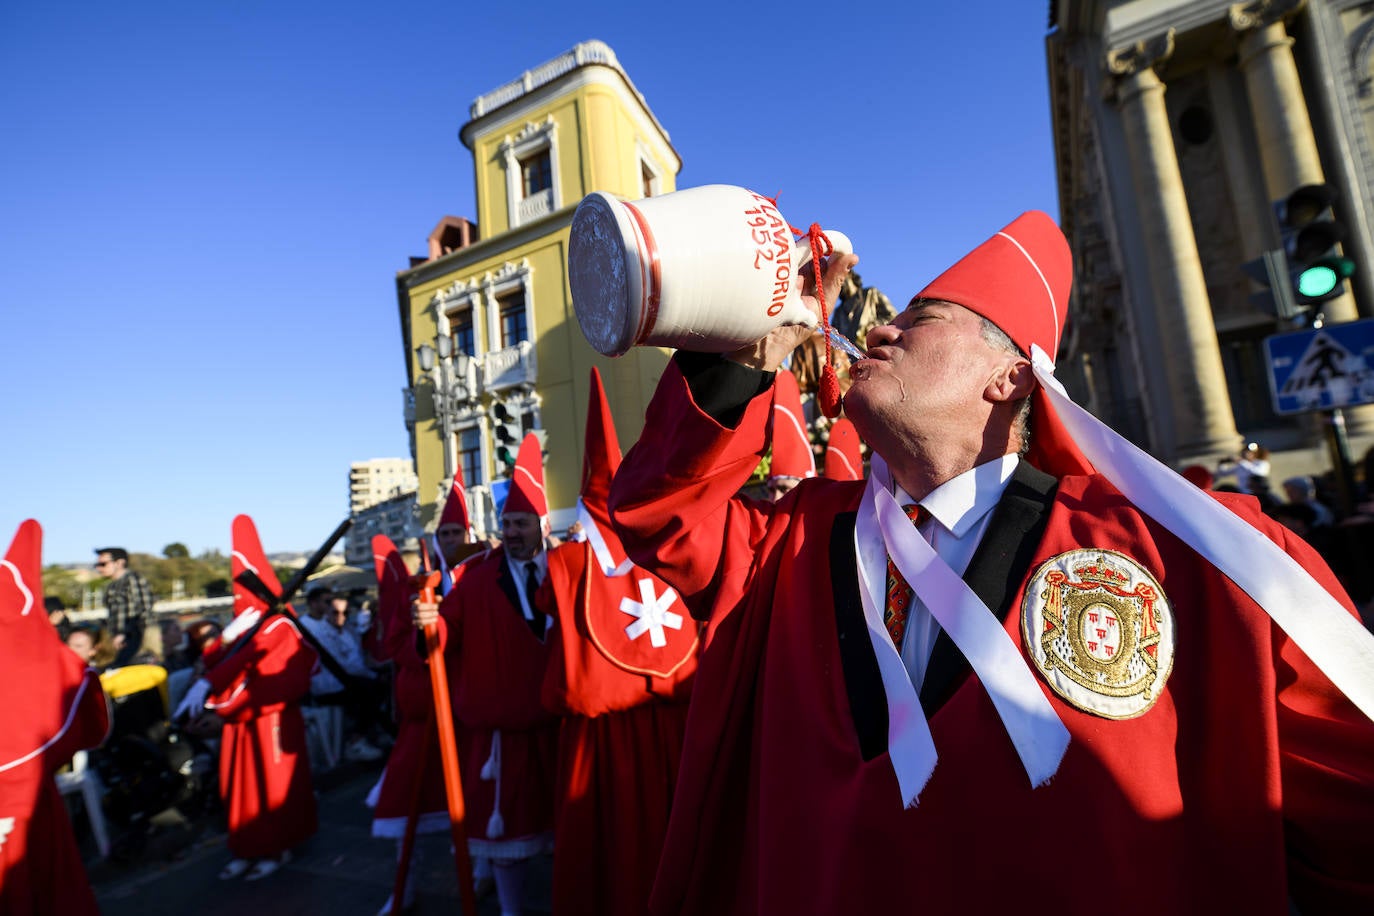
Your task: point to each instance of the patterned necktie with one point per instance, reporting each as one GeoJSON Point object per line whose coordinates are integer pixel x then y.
{"type": "Point", "coordinates": [536, 620]}
{"type": "Point", "coordinates": [899, 596]}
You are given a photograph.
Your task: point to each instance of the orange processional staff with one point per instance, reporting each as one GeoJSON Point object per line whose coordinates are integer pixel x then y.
{"type": "Point", "coordinates": [426, 581]}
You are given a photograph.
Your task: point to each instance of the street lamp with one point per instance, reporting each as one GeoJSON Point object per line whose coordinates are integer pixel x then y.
{"type": "Point", "coordinates": [426, 354]}
{"type": "Point", "coordinates": [442, 394]}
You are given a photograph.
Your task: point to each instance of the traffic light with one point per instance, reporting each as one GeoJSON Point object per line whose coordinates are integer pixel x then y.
{"type": "Point", "coordinates": [508, 431]}
{"type": "Point", "coordinates": [1311, 240]}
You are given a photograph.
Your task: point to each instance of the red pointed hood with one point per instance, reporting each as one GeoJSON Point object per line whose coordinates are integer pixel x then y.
{"type": "Point", "coordinates": [600, 456]}
{"type": "Point", "coordinates": [1020, 281]}
{"type": "Point", "coordinates": [792, 455]}
{"type": "Point", "coordinates": [843, 458]}
{"type": "Point", "coordinates": [390, 569]}
{"type": "Point", "coordinates": [527, 482]}
{"type": "Point", "coordinates": [44, 675]}
{"type": "Point", "coordinates": [456, 506]}
{"type": "Point", "coordinates": [248, 554]}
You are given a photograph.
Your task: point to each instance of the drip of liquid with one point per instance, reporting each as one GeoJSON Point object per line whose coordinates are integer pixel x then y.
{"type": "Point", "coordinates": [843, 344]}
{"type": "Point", "coordinates": [901, 385]}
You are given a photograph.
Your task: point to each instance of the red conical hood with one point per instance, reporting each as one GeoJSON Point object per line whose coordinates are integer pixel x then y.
{"type": "Point", "coordinates": [600, 459]}
{"type": "Point", "coordinates": [43, 675]}
{"type": "Point", "coordinates": [1020, 281]}
{"type": "Point", "coordinates": [527, 481]}
{"type": "Point", "coordinates": [843, 458]}
{"type": "Point", "coordinates": [601, 451]}
{"type": "Point", "coordinates": [456, 506]}
{"type": "Point", "coordinates": [24, 620]}
{"type": "Point", "coordinates": [248, 554]}
{"type": "Point", "coordinates": [792, 455]}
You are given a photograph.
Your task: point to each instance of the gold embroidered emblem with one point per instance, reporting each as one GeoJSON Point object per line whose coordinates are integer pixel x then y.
{"type": "Point", "coordinates": [1101, 631]}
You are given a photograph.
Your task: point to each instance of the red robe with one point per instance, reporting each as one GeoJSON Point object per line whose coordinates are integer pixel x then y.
{"type": "Point", "coordinates": [51, 708]}
{"type": "Point", "coordinates": [496, 666]}
{"type": "Point", "coordinates": [264, 770]}
{"type": "Point", "coordinates": [1249, 779]}
{"type": "Point", "coordinates": [415, 729]}
{"type": "Point", "coordinates": [624, 707]}
{"type": "Point", "coordinates": [61, 710]}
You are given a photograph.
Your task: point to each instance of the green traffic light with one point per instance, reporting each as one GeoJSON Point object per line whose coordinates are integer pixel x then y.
{"type": "Point", "coordinates": [1317, 281]}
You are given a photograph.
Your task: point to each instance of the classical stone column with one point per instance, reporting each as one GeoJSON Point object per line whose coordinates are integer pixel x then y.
{"type": "Point", "coordinates": [1203, 424]}
{"type": "Point", "coordinates": [1287, 144]}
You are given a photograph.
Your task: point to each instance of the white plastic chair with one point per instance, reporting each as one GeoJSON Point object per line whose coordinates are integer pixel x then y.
{"type": "Point", "coordinates": [84, 781]}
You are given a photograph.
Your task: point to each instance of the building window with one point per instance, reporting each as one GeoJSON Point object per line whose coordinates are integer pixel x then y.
{"type": "Point", "coordinates": [646, 178]}
{"type": "Point", "coordinates": [536, 173]}
{"type": "Point", "coordinates": [514, 327]}
{"type": "Point", "coordinates": [531, 161]}
{"type": "Point", "coordinates": [460, 328]}
{"type": "Point", "coordinates": [470, 456]}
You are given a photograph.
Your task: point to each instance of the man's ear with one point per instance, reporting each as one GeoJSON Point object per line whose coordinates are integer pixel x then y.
{"type": "Point", "coordinates": [1013, 381]}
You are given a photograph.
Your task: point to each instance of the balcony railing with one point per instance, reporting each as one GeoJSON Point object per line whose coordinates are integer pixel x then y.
{"type": "Point", "coordinates": [509, 367]}
{"type": "Point", "coordinates": [535, 206]}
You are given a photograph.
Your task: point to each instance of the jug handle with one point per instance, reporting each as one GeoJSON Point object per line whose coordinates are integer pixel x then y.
{"type": "Point", "coordinates": [801, 256]}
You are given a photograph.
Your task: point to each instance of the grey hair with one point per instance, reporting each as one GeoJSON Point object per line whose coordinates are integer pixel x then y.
{"type": "Point", "coordinates": [996, 338]}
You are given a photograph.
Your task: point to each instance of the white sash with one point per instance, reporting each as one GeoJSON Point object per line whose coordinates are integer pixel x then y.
{"type": "Point", "coordinates": [883, 530]}
{"type": "Point", "coordinates": [598, 544]}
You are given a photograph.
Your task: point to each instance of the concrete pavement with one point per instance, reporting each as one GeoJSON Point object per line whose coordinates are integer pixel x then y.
{"type": "Point", "coordinates": [342, 871]}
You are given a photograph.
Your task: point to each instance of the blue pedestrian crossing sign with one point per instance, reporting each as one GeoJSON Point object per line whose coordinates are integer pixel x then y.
{"type": "Point", "coordinates": [1322, 369]}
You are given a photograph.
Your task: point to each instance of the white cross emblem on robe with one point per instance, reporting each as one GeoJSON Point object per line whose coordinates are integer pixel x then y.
{"type": "Point", "coordinates": [652, 614]}
{"type": "Point", "coordinates": [6, 826]}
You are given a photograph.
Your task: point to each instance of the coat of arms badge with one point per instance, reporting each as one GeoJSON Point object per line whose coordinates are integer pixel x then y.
{"type": "Point", "coordinates": [1100, 630]}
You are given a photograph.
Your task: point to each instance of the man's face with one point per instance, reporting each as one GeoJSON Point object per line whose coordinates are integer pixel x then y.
{"type": "Point", "coordinates": [316, 605]}
{"type": "Point", "coordinates": [522, 535]}
{"type": "Point", "coordinates": [338, 611]}
{"type": "Point", "coordinates": [926, 381]}
{"type": "Point", "coordinates": [780, 486]}
{"type": "Point", "coordinates": [451, 537]}
{"type": "Point", "coordinates": [109, 567]}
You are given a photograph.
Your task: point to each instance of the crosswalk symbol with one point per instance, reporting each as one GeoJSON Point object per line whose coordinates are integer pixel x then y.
{"type": "Point", "coordinates": [1324, 365]}
{"type": "Point", "coordinates": [1322, 368]}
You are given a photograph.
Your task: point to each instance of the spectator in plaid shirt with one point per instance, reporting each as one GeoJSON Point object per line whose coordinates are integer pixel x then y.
{"type": "Point", "coordinates": [128, 599]}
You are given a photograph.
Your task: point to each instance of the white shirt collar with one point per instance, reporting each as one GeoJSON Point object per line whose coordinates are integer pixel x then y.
{"type": "Point", "coordinates": [959, 503]}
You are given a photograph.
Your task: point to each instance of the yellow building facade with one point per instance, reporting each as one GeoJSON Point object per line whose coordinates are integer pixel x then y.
{"type": "Point", "coordinates": [492, 346]}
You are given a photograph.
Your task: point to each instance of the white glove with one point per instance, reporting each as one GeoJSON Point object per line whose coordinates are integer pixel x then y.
{"type": "Point", "coordinates": [194, 702]}
{"type": "Point", "coordinates": [238, 626]}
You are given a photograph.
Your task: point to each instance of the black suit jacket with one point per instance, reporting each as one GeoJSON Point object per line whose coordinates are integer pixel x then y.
{"type": "Point", "coordinates": [999, 566]}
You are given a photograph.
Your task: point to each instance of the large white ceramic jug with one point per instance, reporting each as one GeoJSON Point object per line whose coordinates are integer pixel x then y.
{"type": "Point", "coordinates": [707, 269]}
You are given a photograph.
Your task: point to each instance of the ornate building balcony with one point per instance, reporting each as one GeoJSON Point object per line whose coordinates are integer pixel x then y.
{"type": "Point", "coordinates": [510, 367]}
{"type": "Point", "coordinates": [535, 206]}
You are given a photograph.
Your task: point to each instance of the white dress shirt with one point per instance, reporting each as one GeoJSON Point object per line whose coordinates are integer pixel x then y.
{"type": "Point", "coordinates": [517, 571]}
{"type": "Point", "coordinates": [960, 510]}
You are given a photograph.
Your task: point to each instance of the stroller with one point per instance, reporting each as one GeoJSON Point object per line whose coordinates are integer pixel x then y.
{"type": "Point", "coordinates": [147, 765]}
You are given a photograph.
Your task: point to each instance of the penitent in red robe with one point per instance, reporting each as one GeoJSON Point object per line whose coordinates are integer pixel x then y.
{"type": "Point", "coordinates": [416, 734]}
{"type": "Point", "coordinates": [624, 702]}
{"type": "Point", "coordinates": [264, 770]}
{"type": "Point", "coordinates": [496, 668]}
{"type": "Point", "coordinates": [1249, 779]}
{"type": "Point", "coordinates": [53, 707]}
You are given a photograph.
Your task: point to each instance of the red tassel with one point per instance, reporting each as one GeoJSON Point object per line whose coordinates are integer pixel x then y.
{"type": "Point", "coordinates": [828, 392]}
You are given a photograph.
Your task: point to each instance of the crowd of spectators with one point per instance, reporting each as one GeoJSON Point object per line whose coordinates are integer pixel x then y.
{"type": "Point", "coordinates": [166, 655]}
{"type": "Point", "coordinates": [1310, 506]}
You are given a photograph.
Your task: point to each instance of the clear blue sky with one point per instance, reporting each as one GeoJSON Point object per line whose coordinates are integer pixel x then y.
{"type": "Point", "coordinates": [203, 207]}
